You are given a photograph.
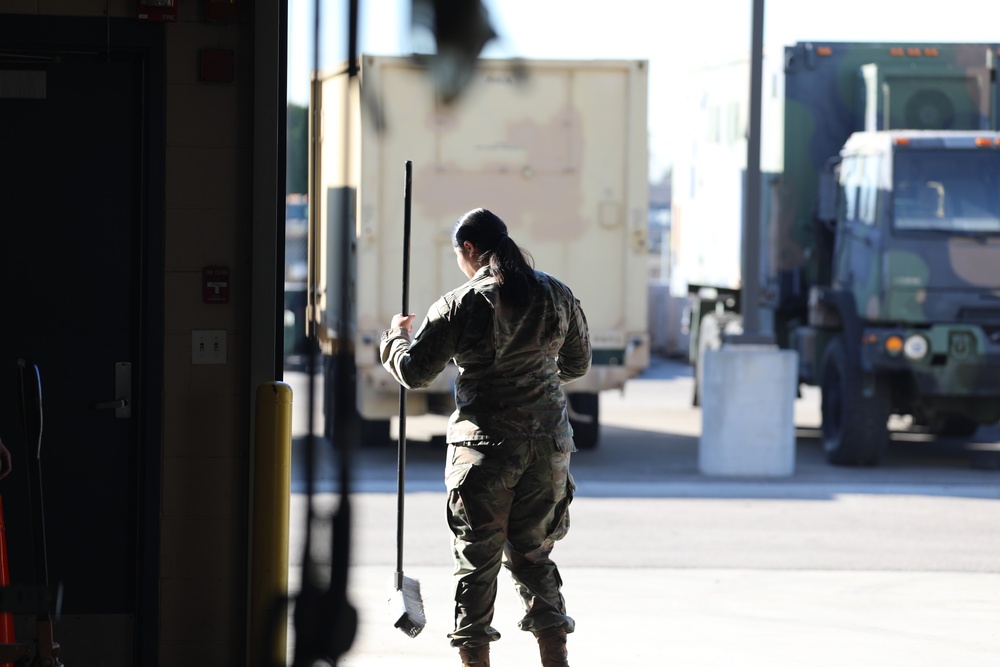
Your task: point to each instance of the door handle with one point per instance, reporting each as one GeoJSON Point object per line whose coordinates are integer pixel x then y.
{"type": "Point", "coordinates": [122, 405]}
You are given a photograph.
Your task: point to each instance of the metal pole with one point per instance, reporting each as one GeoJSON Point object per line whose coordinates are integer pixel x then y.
{"type": "Point", "coordinates": [750, 305]}
{"type": "Point", "coordinates": [401, 466]}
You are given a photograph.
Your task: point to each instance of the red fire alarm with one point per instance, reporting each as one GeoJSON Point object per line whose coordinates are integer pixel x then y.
{"type": "Point", "coordinates": [158, 10]}
{"type": "Point", "coordinates": [215, 284]}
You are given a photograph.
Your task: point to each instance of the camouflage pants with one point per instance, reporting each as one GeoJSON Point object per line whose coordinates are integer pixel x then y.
{"type": "Point", "coordinates": [508, 503]}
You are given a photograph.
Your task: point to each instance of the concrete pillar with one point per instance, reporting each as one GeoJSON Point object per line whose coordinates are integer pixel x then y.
{"type": "Point", "coordinates": [748, 411]}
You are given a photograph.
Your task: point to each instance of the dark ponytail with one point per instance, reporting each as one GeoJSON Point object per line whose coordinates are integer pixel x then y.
{"type": "Point", "coordinates": [509, 264]}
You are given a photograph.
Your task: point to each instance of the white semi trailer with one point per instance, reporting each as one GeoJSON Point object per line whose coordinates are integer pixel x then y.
{"type": "Point", "coordinates": [556, 148]}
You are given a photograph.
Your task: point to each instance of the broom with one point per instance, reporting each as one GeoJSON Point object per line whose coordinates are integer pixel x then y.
{"type": "Point", "coordinates": [405, 603]}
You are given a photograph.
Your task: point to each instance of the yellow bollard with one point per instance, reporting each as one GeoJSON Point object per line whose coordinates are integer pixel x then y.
{"type": "Point", "coordinates": [272, 466]}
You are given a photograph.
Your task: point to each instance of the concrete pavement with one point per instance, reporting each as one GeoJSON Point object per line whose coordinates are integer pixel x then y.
{"type": "Point", "coordinates": [715, 618]}
{"type": "Point", "coordinates": [896, 565]}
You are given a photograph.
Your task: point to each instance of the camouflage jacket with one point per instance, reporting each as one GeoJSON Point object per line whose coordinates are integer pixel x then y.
{"type": "Point", "coordinates": [512, 362]}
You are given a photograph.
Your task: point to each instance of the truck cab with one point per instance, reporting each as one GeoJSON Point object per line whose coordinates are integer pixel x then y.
{"type": "Point", "coordinates": [910, 321]}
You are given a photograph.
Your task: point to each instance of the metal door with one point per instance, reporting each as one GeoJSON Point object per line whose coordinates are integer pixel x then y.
{"type": "Point", "coordinates": [71, 212]}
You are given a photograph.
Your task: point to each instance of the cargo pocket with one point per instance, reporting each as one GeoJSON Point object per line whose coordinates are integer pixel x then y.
{"type": "Point", "coordinates": [460, 463]}
{"type": "Point", "coordinates": [564, 490]}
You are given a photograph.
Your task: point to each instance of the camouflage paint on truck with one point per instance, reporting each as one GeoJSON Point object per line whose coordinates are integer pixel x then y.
{"type": "Point", "coordinates": [834, 89]}
{"type": "Point", "coordinates": [880, 230]}
{"type": "Point", "coordinates": [888, 267]}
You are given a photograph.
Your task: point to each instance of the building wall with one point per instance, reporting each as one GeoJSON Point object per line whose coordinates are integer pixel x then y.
{"type": "Point", "coordinates": [206, 439]}
{"type": "Point", "coordinates": [206, 408]}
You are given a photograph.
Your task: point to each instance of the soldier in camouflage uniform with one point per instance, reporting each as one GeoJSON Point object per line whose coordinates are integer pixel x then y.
{"type": "Point", "coordinates": [516, 335]}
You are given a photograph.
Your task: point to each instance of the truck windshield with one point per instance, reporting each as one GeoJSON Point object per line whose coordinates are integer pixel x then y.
{"type": "Point", "coordinates": [955, 191]}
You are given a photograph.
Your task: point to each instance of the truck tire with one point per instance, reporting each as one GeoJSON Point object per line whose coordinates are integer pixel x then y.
{"type": "Point", "coordinates": [855, 428]}
{"type": "Point", "coordinates": [374, 432]}
{"type": "Point", "coordinates": [953, 425]}
{"type": "Point", "coordinates": [363, 432]}
{"type": "Point", "coordinates": [712, 331]}
{"type": "Point", "coordinates": [583, 411]}
{"type": "Point", "coordinates": [331, 398]}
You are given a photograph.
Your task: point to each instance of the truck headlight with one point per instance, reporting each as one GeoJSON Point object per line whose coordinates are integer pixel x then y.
{"type": "Point", "coordinates": [916, 347]}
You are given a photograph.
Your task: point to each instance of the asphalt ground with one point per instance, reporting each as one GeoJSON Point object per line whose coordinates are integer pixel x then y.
{"type": "Point", "coordinates": [830, 566]}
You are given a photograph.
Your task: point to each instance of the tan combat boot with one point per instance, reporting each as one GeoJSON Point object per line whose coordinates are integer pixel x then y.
{"type": "Point", "coordinates": [552, 646]}
{"type": "Point", "coordinates": [475, 656]}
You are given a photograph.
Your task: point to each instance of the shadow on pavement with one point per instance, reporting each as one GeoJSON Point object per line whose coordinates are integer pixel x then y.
{"type": "Point", "coordinates": [637, 463]}
{"type": "Point", "coordinates": [649, 448]}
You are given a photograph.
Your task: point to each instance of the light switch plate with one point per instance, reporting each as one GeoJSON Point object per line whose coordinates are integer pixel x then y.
{"type": "Point", "coordinates": [208, 346]}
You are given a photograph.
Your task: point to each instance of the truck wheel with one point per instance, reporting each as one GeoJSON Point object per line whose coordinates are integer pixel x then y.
{"type": "Point", "coordinates": [709, 338]}
{"type": "Point", "coordinates": [711, 332]}
{"type": "Point", "coordinates": [331, 385]}
{"type": "Point", "coordinates": [583, 411]}
{"type": "Point", "coordinates": [375, 432]}
{"type": "Point", "coordinates": [364, 432]}
{"type": "Point", "coordinates": [954, 425]}
{"type": "Point", "coordinates": [855, 427]}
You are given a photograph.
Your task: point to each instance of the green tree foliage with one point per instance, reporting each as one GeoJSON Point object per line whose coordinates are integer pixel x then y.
{"type": "Point", "coordinates": [297, 151]}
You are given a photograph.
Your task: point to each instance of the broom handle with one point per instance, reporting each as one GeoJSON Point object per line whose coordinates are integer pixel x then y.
{"type": "Point", "coordinates": [401, 466]}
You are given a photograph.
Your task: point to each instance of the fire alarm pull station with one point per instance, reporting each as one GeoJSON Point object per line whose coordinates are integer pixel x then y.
{"type": "Point", "coordinates": [215, 284]}
{"type": "Point", "coordinates": [157, 10]}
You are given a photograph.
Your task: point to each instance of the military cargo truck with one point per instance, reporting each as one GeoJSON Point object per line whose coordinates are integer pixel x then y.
{"type": "Point", "coordinates": [556, 148]}
{"type": "Point", "coordinates": [879, 232]}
